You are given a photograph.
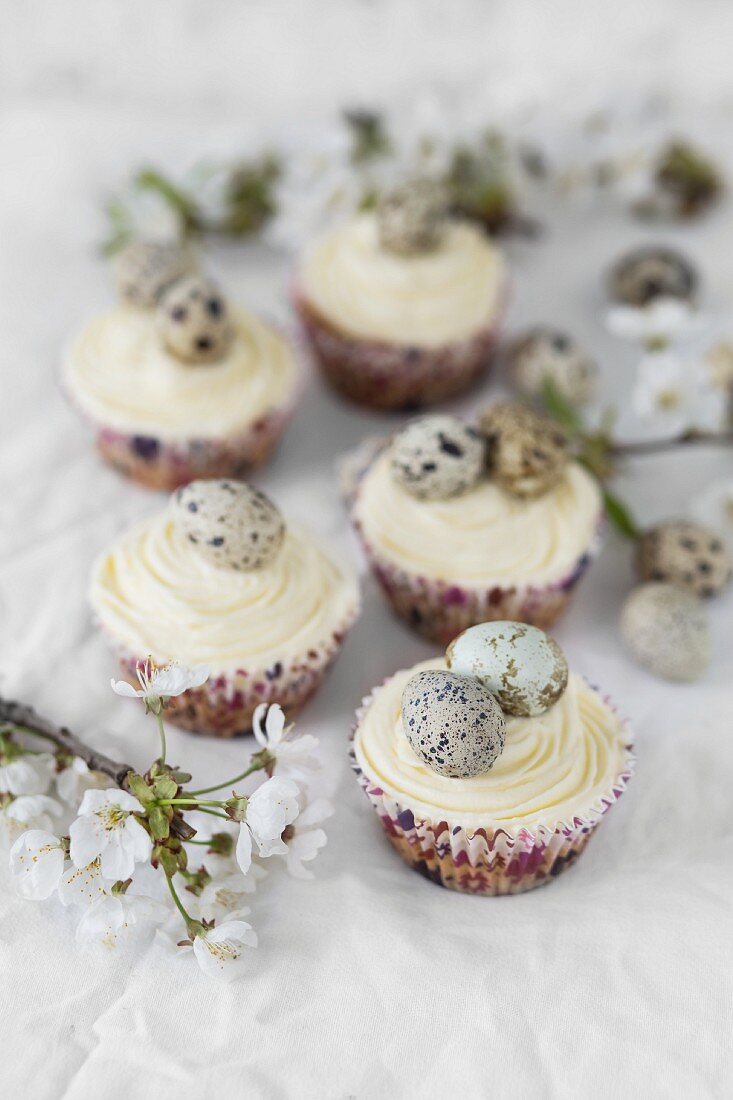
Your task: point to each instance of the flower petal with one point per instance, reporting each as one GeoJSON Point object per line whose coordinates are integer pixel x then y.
{"type": "Point", "coordinates": [244, 848]}
{"type": "Point", "coordinates": [275, 724]}
{"type": "Point", "coordinates": [259, 714]}
{"type": "Point", "coordinates": [121, 687]}
{"type": "Point", "coordinates": [36, 863]}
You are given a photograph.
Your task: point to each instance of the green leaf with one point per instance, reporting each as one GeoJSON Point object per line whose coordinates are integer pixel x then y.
{"type": "Point", "coordinates": [165, 787]}
{"type": "Point", "coordinates": [158, 821]}
{"type": "Point", "coordinates": [168, 860]}
{"type": "Point", "coordinates": [180, 776]}
{"type": "Point", "coordinates": [619, 516]}
{"type": "Point", "coordinates": [143, 793]}
{"type": "Point", "coordinates": [560, 408]}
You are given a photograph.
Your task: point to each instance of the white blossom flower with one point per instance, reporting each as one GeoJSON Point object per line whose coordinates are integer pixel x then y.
{"type": "Point", "coordinates": [159, 684]}
{"type": "Point", "coordinates": [663, 321]}
{"type": "Point", "coordinates": [83, 885]}
{"type": "Point", "coordinates": [714, 508]}
{"type": "Point", "coordinates": [293, 755]}
{"type": "Point", "coordinates": [115, 916]}
{"type": "Point", "coordinates": [219, 950]}
{"type": "Point", "coordinates": [674, 395]}
{"type": "Point", "coordinates": [270, 810]}
{"type": "Point", "coordinates": [307, 838]}
{"type": "Point", "coordinates": [27, 774]}
{"type": "Point", "coordinates": [106, 828]}
{"type": "Point", "coordinates": [37, 864]}
{"type": "Point", "coordinates": [226, 894]}
{"type": "Point", "coordinates": [75, 780]}
{"type": "Point", "coordinates": [28, 811]}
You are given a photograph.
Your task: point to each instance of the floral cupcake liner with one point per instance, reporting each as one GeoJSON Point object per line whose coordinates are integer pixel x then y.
{"type": "Point", "coordinates": [439, 610]}
{"type": "Point", "coordinates": [165, 464]}
{"type": "Point", "coordinates": [225, 704]}
{"type": "Point", "coordinates": [381, 375]}
{"type": "Point", "coordinates": [489, 861]}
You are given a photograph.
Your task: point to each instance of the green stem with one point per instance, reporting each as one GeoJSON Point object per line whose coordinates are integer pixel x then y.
{"type": "Point", "coordinates": [179, 904]}
{"type": "Point", "coordinates": [215, 813]}
{"type": "Point", "coordinates": [161, 731]}
{"type": "Point", "coordinates": [230, 782]}
{"type": "Point", "coordinates": [188, 802]}
{"type": "Point", "coordinates": [206, 842]}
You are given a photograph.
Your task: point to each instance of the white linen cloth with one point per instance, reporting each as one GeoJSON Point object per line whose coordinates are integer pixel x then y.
{"type": "Point", "coordinates": [369, 982]}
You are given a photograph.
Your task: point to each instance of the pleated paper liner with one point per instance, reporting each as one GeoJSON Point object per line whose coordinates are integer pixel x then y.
{"type": "Point", "coordinates": [489, 861]}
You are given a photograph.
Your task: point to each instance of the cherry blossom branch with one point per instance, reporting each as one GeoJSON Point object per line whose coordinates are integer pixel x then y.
{"type": "Point", "coordinates": [18, 714]}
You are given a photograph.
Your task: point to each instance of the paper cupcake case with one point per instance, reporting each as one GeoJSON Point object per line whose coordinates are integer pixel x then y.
{"type": "Point", "coordinates": [166, 465]}
{"type": "Point", "coordinates": [381, 375]}
{"type": "Point", "coordinates": [488, 861]}
{"type": "Point", "coordinates": [440, 610]}
{"type": "Point", "coordinates": [225, 704]}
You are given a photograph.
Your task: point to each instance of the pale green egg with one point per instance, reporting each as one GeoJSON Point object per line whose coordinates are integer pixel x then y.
{"type": "Point", "coordinates": [523, 667]}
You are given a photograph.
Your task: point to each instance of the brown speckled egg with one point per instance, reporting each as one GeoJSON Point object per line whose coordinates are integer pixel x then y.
{"type": "Point", "coordinates": [527, 452]}
{"type": "Point", "coordinates": [411, 217]}
{"type": "Point", "coordinates": [437, 457]}
{"type": "Point", "coordinates": [520, 665]}
{"type": "Point", "coordinates": [194, 322]}
{"type": "Point", "coordinates": [230, 523]}
{"type": "Point", "coordinates": [144, 270]}
{"type": "Point", "coordinates": [454, 724]}
{"type": "Point", "coordinates": [546, 354]}
{"type": "Point", "coordinates": [666, 629]}
{"type": "Point", "coordinates": [645, 274]}
{"type": "Point", "coordinates": [685, 554]}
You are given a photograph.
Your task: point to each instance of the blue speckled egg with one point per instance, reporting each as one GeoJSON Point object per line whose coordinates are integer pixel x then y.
{"type": "Point", "coordinates": [454, 724]}
{"type": "Point", "coordinates": [522, 666]}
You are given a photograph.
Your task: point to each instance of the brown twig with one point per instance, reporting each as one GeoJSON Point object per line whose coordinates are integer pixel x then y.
{"type": "Point", "coordinates": [17, 714]}
{"type": "Point", "coordinates": [658, 446]}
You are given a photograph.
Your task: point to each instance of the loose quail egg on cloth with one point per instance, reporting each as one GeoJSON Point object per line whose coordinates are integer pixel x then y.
{"type": "Point", "coordinates": [666, 629]}
{"type": "Point", "coordinates": [523, 667]}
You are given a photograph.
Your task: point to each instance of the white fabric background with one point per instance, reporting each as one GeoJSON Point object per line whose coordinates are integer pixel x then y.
{"type": "Point", "coordinates": [370, 982]}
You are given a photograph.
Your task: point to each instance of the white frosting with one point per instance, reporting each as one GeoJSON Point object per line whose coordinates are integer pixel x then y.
{"type": "Point", "coordinates": [156, 595]}
{"type": "Point", "coordinates": [484, 536]}
{"type": "Point", "coordinates": [425, 300]}
{"type": "Point", "coordinates": [121, 375]}
{"type": "Point", "coordinates": [554, 767]}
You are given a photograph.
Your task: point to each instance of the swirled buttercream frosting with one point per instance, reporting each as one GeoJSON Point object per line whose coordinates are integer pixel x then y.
{"type": "Point", "coordinates": [484, 536]}
{"type": "Point", "coordinates": [120, 375]}
{"type": "Point", "coordinates": [425, 300]}
{"type": "Point", "coordinates": [154, 594]}
{"type": "Point", "coordinates": [557, 766]}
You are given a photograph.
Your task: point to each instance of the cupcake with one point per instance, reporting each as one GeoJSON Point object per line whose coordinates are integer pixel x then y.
{"type": "Point", "coordinates": [401, 306]}
{"type": "Point", "coordinates": [217, 579]}
{"type": "Point", "coordinates": [462, 525]}
{"type": "Point", "coordinates": [491, 793]}
{"type": "Point", "coordinates": [176, 382]}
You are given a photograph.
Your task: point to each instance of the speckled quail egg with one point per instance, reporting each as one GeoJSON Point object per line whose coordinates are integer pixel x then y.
{"type": "Point", "coordinates": [685, 554]}
{"type": "Point", "coordinates": [645, 274]}
{"type": "Point", "coordinates": [231, 523]}
{"type": "Point", "coordinates": [411, 217]}
{"type": "Point", "coordinates": [520, 665]}
{"type": "Point", "coordinates": [437, 457]}
{"type": "Point", "coordinates": [144, 270]}
{"type": "Point", "coordinates": [194, 322]}
{"type": "Point", "coordinates": [666, 629]}
{"type": "Point", "coordinates": [527, 452]}
{"type": "Point", "coordinates": [454, 724]}
{"type": "Point", "coordinates": [546, 354]}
